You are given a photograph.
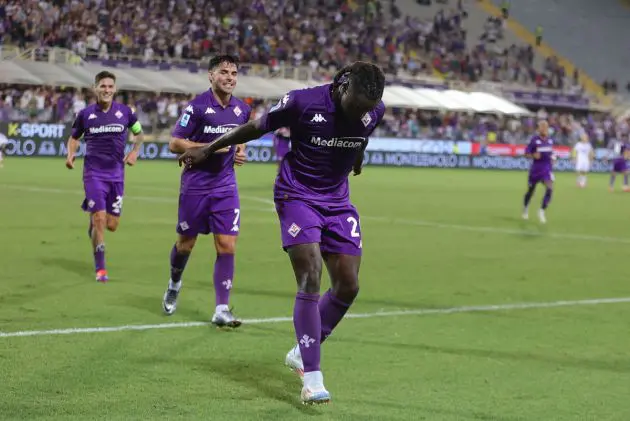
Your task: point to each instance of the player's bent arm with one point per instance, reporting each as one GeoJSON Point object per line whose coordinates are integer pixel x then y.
{"type": "Point", "coordinates": [137, 141]}
{"type": "Point", "coordinates": [240, 135]}
{"type": "Point", "coordinates": [73, 145]}
{"type": "Point", "coordinates": [179, 145]}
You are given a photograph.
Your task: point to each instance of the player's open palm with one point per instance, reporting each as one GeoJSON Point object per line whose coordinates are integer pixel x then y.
{"type": "Point", "coordinates": [241, 157]}
{"type": "Point", "coordinates": [70, 162]}
{"type": "Point", "coordinates": [131, 158]}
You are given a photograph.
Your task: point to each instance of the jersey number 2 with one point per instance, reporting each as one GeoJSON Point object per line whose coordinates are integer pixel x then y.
{"type": "Point", "coordinates": [355, 225]}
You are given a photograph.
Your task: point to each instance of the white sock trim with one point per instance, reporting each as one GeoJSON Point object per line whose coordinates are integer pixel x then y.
{"type": "Point", "coordinates": [174, 286]}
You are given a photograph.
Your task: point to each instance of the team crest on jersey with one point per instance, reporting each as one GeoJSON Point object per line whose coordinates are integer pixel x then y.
{"type": "Point", "coordinates": [294, 230]}
{"type": "Point", "coordinates": [237, 111]}
{"type": "Point", "coordinates": [118, 114]}
{"type": "Point", "coordinates": [366, 120]}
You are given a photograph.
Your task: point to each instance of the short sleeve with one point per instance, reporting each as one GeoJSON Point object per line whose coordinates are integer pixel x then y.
{"type": "Point", "coordinates": [531, 147]}
{"type": "Point", "coordinates": [133, 118]}
{"type": "Point", "coordinates": [283, 114]}
{"type": "Point", "coordinates": [187, 123]}
{"type": "Point", "coordinates": [78, 128]}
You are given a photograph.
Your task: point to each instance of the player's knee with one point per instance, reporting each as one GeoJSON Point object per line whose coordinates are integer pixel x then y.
{"type": "Point", "coordinates": [112, 224]}
{"type": "Point", "coordinates": [185, 244]}
{"type": "Point", "coordinates": [309, 276]}
{"type": "Point", "coordinates": [225, 244]}
{"type": "Point", "coordinates": [99, 220]}
{"type": "Point", "coordinates": [347, 291]}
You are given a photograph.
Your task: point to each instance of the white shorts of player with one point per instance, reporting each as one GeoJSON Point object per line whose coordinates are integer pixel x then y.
{"type": "Point", "coordinates": [582, 166]}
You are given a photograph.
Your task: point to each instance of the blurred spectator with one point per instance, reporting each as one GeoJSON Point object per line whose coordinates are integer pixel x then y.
{"type": "Point", "coordinates": [158, 112]}
{"type": "Point", "coordinates": [321, 34]}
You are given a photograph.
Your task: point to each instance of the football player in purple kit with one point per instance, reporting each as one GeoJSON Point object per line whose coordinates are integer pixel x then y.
{"type": "Point", "coordinates": [330, 126]}
{"type": "Point", "coordinates": [104, 127]}
{"type": "Point", "coordinates": [208, 199]}
{"type": "Point", "coordinates": [620, 151]}
{"type": "Point", "coordinates": [540, 149]}
{"type": "Point", "coordinates": [281, 143]}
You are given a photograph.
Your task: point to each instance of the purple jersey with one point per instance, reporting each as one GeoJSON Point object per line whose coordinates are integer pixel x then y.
{"type": "Point", "coordinates": [204, 120]}
{"type": "Point", "coordinates": [618, 149]}
{"type": "Point", "coordinates": [544, 164]}
{"type": "Point", "coordinates": [105, 136]}
{"type": "Point", "coordinates": [324, 146]}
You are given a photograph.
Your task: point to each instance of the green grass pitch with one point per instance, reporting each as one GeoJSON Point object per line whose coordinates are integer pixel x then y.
{"type": "Point", "coordinates": [433, 239]}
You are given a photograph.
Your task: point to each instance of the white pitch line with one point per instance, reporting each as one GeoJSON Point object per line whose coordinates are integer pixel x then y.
{"type": "Point", "coordinates": [394, 221]}
{"type": "Point", "coordinates": [399, 313]}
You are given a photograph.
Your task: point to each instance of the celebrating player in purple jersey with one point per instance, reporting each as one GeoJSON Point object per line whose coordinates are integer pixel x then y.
{"type": "Point", "coordinates": [208, 199]}
{"type": "Point", "coordinates": [104, 128]}
{"type": "Point", "coordinates": [540, 148]}
{"type": "Point", "coordinates": [330, 126]}
{"type": "Point", "coordinates": [281, 143]}
{"type": "Point", "coordinates": [620, 151]}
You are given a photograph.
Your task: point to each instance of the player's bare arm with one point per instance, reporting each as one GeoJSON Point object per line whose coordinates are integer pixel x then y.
{"type": "Point", "coordinates": [358, 164]}
{"type": "Point", "coordinates": [73, 145]}
{"type": "Point", "coordinates": [179, 146]}
{"type": "Point", "coordinates": [132, 156]}
{"type": "Point", "coordinates": [240, 135]}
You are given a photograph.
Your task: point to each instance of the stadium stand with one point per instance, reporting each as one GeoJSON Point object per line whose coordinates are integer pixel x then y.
{"type": "Point", "coordinates": [455, 71]}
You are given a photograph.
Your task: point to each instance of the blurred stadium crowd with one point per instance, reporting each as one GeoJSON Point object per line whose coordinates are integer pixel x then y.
{"type": "Point", "coordinates": [321, 34]}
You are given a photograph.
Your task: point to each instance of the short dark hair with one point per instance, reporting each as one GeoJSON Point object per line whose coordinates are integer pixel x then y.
{"type": "Point", "coordinates": [366, 79]}
{"type": "Point", "coordinates": [104, 75]}
{"type": "Point", "coordinates": [223, 58]}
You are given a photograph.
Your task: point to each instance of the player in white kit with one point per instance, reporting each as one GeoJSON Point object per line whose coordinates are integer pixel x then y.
{"type": "Point", "coordinates": [4, 142]}
{"type": "Point", "coordinates": [583, 154]}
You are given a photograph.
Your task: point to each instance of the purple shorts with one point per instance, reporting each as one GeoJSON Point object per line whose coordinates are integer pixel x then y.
{"type": "Point", "coordinates": [335, 228]}
{"type": "Point", "coordinates": [103, 196]}
{"type": "Point", "coordinates": [218, 213]}
{"type": "Point", "coordinates": [620, 165]}
{"type": "Point", "coordinates": [540, 177]}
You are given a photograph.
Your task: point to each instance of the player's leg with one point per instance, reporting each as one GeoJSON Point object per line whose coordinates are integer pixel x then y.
{"type": "Point", "coordinates": [300, 226]}
{"type": "Point", "coordinates": [306, 261]}
{"type": "Point", "coordinates": [95, 203]}
{"type": "Point", "coordinates": [625, 180]}
{"type": "Point", "coordinates": [114, 204]}
{"type": "Point", "coordinates": [343, 270]}
{"type": "Point", "coordinates": [224, 222]}
{"type": "Point", "coordinates": [223, 277]}
{"type": "Point", "coordinates": [179, 258]}
{"type": "Point", "coordinates": [531, 188]}
{"type": "Point", "coordinates": [192, 218]}
{"type": "Point", "coordinates": [546, 199]}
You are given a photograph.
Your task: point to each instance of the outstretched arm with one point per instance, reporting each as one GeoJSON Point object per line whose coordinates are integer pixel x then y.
{"type": "Point", "coordinates": [242, 134]}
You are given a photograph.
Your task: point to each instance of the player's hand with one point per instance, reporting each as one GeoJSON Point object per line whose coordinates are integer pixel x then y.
{"type": "Point", "coordinates": [192, 157]}
{"type": "Point", "coordinates": [131, 158]}
{"type": "Point", "coordinates": [70, 162]}
{"type": "Point", "coordinates": [241, 157]}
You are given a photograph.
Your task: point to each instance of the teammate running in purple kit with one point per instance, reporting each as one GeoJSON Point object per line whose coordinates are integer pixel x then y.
{"type": "Point", "coordinates": [620, 151]}
{"type": "Point", "coordinates": [540, 149]}
{"type": "Point", "coordinates": [208, 199]}
{"type": "Point", "coordinates": [104, 127]}
{"type": "Point", "coordinates": [330, 126]}
{"type": "Point", "coordinates": [281, 143]}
